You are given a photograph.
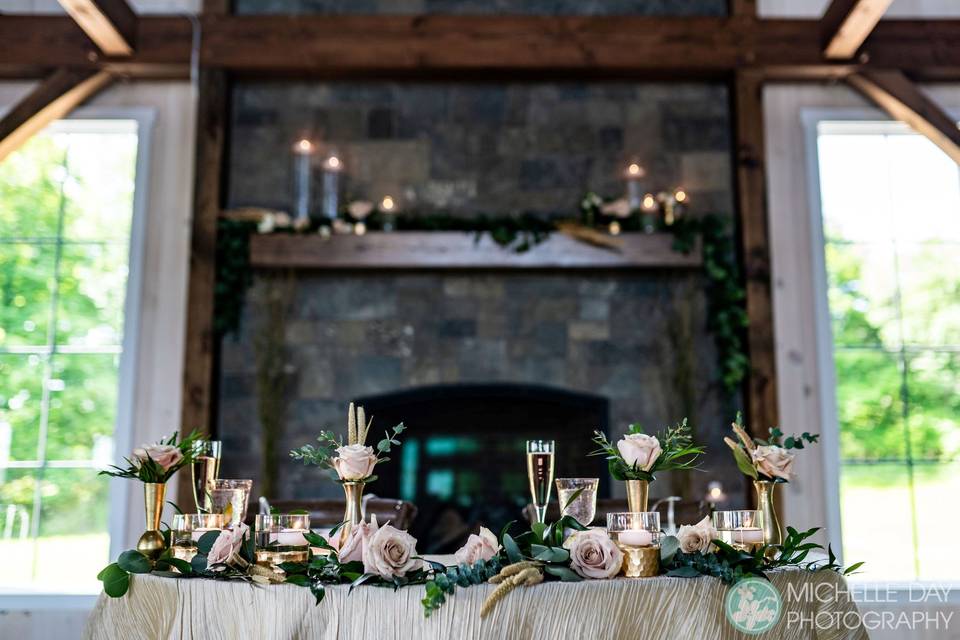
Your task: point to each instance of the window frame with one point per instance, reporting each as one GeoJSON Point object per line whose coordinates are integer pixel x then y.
{"type": "Point", "coordinates": [862, 121]}
{"type": "Point", "coordinates": [130, 363]}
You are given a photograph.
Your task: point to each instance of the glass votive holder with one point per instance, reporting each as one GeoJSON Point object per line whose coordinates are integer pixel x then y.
{"type": "Point", "coordinates": [187, 529]}
{"type": "Point", "coordinates": [280, 538]}
{"type": "Point", "coordinates": [741, 529]}
{"type": "Point", "coordinates": [637, 534]}
{"type": "Point", "coordinates": [229, 497]}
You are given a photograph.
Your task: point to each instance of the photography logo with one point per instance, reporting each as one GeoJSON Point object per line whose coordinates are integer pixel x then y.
{"type": "Point", "coordinates": [753, 606]}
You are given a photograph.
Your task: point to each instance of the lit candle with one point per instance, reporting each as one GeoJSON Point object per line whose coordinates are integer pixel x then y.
{"type": "Point", "coordinates": [289, 537]}
{"type": "Point", "coordinates": [388, 208]}
{"type": "Point", "coordinates": [747, 535]}
{"type": "Point", "coordinates": [302, 152]}
{"type": "Point", "coordinates": [649, 207]}
{"type": "Point", "coordinates": [332, 167]}
{"type": "Point", "coordinates": [635, 537]}
{"type": "Point", "coordinates": [614, 228]}
{"type": "Point", "coordinates": [634, 192]}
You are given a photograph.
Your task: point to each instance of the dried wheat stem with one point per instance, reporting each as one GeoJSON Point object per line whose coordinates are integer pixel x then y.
{"type": "Point", "coordinates": [351, 425]}
{"type": "Point", "coordinates": [512, 570]}
{"type": "Point", "coordinates": [531, 575]}
{"type": "Point", "coordinates": [361, 426]}
{"type": "Point", "coordinates": [747, 440]}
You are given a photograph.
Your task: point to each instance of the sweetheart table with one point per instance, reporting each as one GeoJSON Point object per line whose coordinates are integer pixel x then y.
{"type": "Point", "coordinates": [661, 607]}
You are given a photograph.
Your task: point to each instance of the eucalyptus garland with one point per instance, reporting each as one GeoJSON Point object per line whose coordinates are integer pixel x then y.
{"type": "Point", "coordinates": [726, 316]}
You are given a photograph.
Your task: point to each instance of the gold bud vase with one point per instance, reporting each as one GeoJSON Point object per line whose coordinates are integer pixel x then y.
{"type": "Point", "coordinates": [637, 495]}
{"type": "Point", "coordinates": [151, 542]}
{"type": "Point", "coordinates": [352, 515]}
{"type": "Point", "coordinates": [765, 505]}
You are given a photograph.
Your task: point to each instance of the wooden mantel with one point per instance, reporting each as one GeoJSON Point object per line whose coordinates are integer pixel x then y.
{"type": "Point", "coordinates": [458, 250]}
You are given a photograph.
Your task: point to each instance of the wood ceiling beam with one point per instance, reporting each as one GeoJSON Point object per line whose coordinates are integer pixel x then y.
{"type": "Point", "coordinates": [893, 92]}
{"type": "Point", "coordinates": [345, 47]}
{"type": "Point", "coordinates": [111, 24]}
{"type": "Point", "coordinates": [848, 23]}
{"type": "Point", "coordinates": [53, 99]}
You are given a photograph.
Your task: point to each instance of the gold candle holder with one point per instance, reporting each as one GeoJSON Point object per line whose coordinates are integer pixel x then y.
{"type": "Point", "coordinates": [151, 543]}
{"type": "Point", "coordinates": [640, 562]}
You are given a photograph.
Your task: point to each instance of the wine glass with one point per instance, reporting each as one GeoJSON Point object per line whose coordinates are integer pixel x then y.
{"type": "Point", "coordinates": [582, 506]}
{"type": "Point", "coordinates": [540, 474]}
{"type": "Point", "coordinates": [205, 471]}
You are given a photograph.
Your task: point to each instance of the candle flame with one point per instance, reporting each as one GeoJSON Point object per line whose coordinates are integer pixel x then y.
{"type": "Point", "coordinates": [680, 195]}
{"type": "Point", "coordinates": [333, 162]}
{"type": "Point", "coordinates": [634, 169]}
{"type": "Point", "coordinates": [649, 202]}
{"type": "Point", "coordinates": [303, 146]}
{"type": "Point", "coordinates": [387, 203]}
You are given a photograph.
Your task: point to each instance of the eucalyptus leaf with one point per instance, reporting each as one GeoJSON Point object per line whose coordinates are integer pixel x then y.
{"type": "Point", "coordinates": [132, 561]}
{"type": "Point", "coordinates": [668, 547]}
{"type": "Point", "coordinates": [513, 551]}
{"type": "Point", "coordinates": [565, 574]}
{"type": "Point", "coordinates": [182, 566]}
{"type": "Point", "coordinates": [199, 563]}
{"type": "Point", "coordinates": [115, 580]}
{"type": "Point", "coordinates": [299, 579]}
{"type": "Point", "coordinates": [205, 543]}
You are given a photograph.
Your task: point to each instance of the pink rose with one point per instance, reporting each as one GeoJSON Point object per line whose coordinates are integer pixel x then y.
{"type": "Point", "coordinates": [165, 455]}
{"type": "Point", "coordinates": [227, 544]}
{"type": "Point", "coordinates": [478, 547]}
{"type": "Point", "coordinates": [697, 537]}
{"type": "Point", "coordinates": [773, 461]}
{"type": "Point", "coordinates": [354, 462]}
{"type": "Point", "coordinates": [390, 553]}
{"type": "Point", "coordinates": [352, 549]}
{"type": "Point", "coordinates": [594, 555]}
{"type": "Point", "coordinates": [639, 449]}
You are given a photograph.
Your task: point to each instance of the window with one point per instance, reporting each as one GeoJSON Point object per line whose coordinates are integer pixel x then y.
{"type": "Point", "coordinates": [891, 226]}
{"type": "Point", "coordinates": [66, 210]}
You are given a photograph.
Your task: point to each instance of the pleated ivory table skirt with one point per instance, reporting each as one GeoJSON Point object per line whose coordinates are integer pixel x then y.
{"type": "Point", "coordinates": [674, 608]}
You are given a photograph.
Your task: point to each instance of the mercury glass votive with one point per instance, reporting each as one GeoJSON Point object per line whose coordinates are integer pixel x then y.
{"type": "Point", "coordinates": [281, 538]}
{"type": "Point", "coordinates": [742, 529]}
{"type": "Point", "coordinates": [637, 534]}
{"type": "Point", "coordinates": [187, 529]}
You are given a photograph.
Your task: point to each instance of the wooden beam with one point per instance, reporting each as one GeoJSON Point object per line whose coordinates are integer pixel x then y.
{"type": "Point", "coordinates": [893, 92]}
{"type": "Point", "coordinates": [484, 47]}
{"type": "Point", "coordinates": [53, 99]}
{"type": "Point", "coordinates": [111, 24]}
{"type": "Point", "coordinates": [847, 23]}
{"type": "Point", "coordinates": [751, 197]}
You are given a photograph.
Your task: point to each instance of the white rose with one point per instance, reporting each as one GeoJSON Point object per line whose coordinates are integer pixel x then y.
{"type": "Point", "coordinates": [696, 537]}
{"type": "Point", "coordinates": [478, 547]}
{"type": "Point", "coordinates": [352, 549]}
{"type": "Point", "coordinates": [227, 544]}
{"type": "Point", "coordinates": [390, 553]}
{"type": "Point", "coordinates": [593, 554]}
{"type": "Point", "coordinates": [639, 449]}
{"type": "Point", "coordinates": [165, 455]}
{"type": "Point", "coordinates": [773, 461]}
{"type": "Point", "coordinates": [354, 462]}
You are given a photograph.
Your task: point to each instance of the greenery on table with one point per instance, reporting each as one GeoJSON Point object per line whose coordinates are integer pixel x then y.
{"type": "Point", "coordinates": [678, 453]}
{"type": "Point", "coordinates": [146, 469]}
{"type": "Point", "coordinates": [730, 565]}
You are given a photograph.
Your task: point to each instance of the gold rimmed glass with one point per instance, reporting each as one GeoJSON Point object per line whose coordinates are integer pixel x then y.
{"type": "Point", "coordinates": [540, 474]}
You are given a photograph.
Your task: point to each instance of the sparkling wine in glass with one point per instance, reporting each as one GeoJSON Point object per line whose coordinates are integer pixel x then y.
{"type": "Point", "coordinates": [206, 470]}
{"type": "Point", "coordinates": [540, 474]}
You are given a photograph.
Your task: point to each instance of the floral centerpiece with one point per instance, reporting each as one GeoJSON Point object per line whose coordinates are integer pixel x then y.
{"type": "Point", "coordinates": [768, 462]}
{"type": "Point", "coordinates": [153, 465]}
{"type": "Point", "coordinates": [636, 457]}
{"type": "Point", "coordinates": [352, 464]}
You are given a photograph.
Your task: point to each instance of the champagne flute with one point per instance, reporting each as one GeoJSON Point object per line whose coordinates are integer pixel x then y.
{"type": "Point", "coordinates": [205, 470]}
{"type": "Point", "coordinates": [540, 474]}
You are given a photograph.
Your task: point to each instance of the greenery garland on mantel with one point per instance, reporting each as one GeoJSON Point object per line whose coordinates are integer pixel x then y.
{"type": "Point", "coordinates": [726, 316]}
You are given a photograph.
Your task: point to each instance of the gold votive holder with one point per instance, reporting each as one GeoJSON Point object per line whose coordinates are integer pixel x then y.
{"type": "Point", "coordinates": [637, 535]}
{"type": "Point", "coordinates": [280, 538]}
{"type": "Point", "coordinates": [187, 529]}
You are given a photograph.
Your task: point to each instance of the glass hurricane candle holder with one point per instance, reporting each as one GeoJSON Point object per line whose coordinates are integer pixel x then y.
{"type": "Point", "coordinates": [229, 497]}
{"type": "Point", "coordinates": [637, 534]}
{"type": "Point", "coordinates": [741, 529]}
{"type": "Point", "coordinates": [281, 538]}
{"type": "Point", "coordinates": [583, 508]}
{"type": "Point", "coordinates": [187, 529]}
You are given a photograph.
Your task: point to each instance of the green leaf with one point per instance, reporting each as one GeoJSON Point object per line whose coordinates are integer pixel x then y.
{"type": "Point", "coordinates": [132, 561]}
{"type": "Point", "coordinates": [513, 551]}
{"type": "Point", "coordinates": [199, 563]}
{"type": "Point", "coordinates": [538, 529]}
{"type": "Point", "coordinates": [115, 580]}
{"type": "Point", "coordinates": [744, 464]}
{"type": "Point", "coordinates": [668, 547]}
{"type": "Point", "coordinates": [572, 499]}
{"type": "Point", "coordinates": [293, 568]}
{"type": "Point", "coordinates": [683, 572]}
{"type": "Point", "coordinates": [299, 579]}
{"type": "Point", "coordinates": [205, 543]}
{"type": "Point", "coordinates": [318, 540]}
{"type": "Point", "coordinates": [565, 574]}
{"type": "Point", "coordinates": [318, 591]}
{"type": "Point", "coordinates": [362, 579]}
{"type": "Point", "coordinates": [336, 528]}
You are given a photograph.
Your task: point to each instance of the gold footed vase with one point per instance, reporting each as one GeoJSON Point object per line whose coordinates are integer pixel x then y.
{"type": "Point", "coordinates": [637, 495]}
{"type": "Point", "coordinates": [765, 505]}
{"type": "Point", "coordinates": [151, 543]}
{"type": "Point", "coordinates": [353, 494]}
